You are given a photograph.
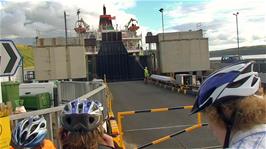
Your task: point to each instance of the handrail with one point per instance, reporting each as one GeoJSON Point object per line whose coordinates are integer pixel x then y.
{"type": "Point", "coordinates": [37, 112]}
{"type": "Point", "coordinates": [52, 114]}
{"type": "Point", "coordinates": [53, 109]}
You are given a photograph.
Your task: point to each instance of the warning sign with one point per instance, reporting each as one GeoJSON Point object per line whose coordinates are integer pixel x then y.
{"type": "Point", "coordinates": [5, 133]}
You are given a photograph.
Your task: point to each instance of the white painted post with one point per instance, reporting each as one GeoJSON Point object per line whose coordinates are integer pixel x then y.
{"type": "Point", "coordinates": [0, 84]}
{"type": "Point", "coordinates": [0, 92]}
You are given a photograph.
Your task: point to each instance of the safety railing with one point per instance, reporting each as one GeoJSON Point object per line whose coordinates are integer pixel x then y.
{"type": "Point", "coordinates": [73, 89]}
{"type": "Point", "coordinates": [52, 115]}
{"type": "Point", "coordinates": [120, 116]}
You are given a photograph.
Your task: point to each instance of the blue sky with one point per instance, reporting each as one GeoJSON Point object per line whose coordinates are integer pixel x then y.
{"type": "Point", "coordinates": [147, 11]}
{"type": "Point", "coordinates": [148, 14]}
{"type": "Point", "coordinates": [24, 18]}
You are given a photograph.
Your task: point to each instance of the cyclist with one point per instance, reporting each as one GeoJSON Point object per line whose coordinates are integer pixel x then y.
{"type": "Point", "coordinates": [235, 107]}
{"type": "Point", "coordinates": [31, 133]}
{"type": "Point", "coordinates": [82, 128]}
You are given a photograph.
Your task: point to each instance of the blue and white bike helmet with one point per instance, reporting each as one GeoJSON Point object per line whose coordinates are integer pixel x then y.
{"type": "Point", "coordinates": [238, 80]}
{"type": "Point", "coordinates": [229, 83]}
{"type": "Point", "coordinates": [82, 115]}
{"type": "Point", "coordinates": [29, 132]}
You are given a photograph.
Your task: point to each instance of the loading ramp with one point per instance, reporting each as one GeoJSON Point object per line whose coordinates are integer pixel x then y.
{"type": "Point", "coordinates": [143, 128]}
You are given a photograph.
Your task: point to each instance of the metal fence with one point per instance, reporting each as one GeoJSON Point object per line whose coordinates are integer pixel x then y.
{"type": "Point", "coordinates": [74, 89]}
{"type": "Point", "coordinates": [89, 90]}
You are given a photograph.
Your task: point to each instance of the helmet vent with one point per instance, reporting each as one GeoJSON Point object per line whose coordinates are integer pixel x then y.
{"type": "Point", "coordinates": [25, 125]}
{"type": "Point", "coordinates": [91, 119]}
{"type": "Point", "coordinates": [237, 83]}
{"type": "Point", "coordinates": [33, 127]}
{"type": "Point", "coordinates": [18, 133]}
{"type": "Point", "coordinates": [94, 108]}
{"type": "Point", "coordinates": [80, 108]}
{"type": "Point", "coordinates": [88, 104]}
{"type": "Point", "coordinates": [42, 125]}
{"type": "Point", "coordinates": [32, 136]}
{"type": "Point", "coordinates": [66, 108]}
{"type": "Point", "coordinates": [247, 70]}
{"type": "Point", "coordinates": [255, 79]}
{"type": "Point", "coordinates": [23, 136]}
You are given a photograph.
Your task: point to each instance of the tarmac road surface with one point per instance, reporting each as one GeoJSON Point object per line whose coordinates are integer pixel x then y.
{"type": "Point", "coordinates": [143, 128]}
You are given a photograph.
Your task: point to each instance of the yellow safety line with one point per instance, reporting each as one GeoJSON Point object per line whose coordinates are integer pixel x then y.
{"type": "Point", "coordinates": [126, 113]}
{"type": "Point", "coordinates": [188, 107]}
{"type": "Point", "coordinates": [159, 110]}
{"type": "Point", "coordinates": [161, 140]}
{"type": "Point", "coordinates": [192, 128]}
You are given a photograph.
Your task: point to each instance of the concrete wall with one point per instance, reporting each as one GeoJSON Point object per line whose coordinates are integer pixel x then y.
{"type": "Point", "coordinates": [181, 52]}
{"type": "Point", "coordinates": [51, 63]}
{"type": "Point", "coordinates": [77, 62]}
{"type": "Point", "coordinates": [180, 35]}
{"type": "Point", "coordinates": [42, 63]}
{"type": "Point", "coordinates": [59, 41]}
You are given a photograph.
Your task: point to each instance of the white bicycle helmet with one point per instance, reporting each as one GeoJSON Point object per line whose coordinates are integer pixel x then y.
{"type": "Point", "coordinates": [82, 115]}
{"type": "Point", "coordinates": [29, 132]}
{"type": "Point", "coordinates": [238, 80]}
{"type": "Point", "coordinates": [229, 83]}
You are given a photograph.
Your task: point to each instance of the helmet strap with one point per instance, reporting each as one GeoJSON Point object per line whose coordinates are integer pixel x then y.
{"type": "Point", "coordinates": [229, 123]}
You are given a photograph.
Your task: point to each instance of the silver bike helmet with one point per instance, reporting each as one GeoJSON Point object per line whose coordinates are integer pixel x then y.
{"type": "Point", "coordinates": [29, 132]}
{"type": "Point", "coordinates": [82, 115]}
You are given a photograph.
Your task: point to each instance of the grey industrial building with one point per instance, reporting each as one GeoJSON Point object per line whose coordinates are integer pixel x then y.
{"type": "Point", "coordinates": [179, 52]}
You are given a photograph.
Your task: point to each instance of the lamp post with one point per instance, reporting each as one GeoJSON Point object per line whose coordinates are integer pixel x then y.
{"type": "Point", "coordinates": [236, 14]}
{"type": "Point", "coordinates": [161, 10]}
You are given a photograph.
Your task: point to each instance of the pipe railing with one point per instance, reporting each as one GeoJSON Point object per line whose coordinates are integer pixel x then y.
{"type": "Point", "coordinates": [52, 115]}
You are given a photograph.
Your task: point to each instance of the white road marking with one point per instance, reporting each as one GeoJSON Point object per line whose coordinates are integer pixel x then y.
{"type": "Point", "coordinates": [157, 128]}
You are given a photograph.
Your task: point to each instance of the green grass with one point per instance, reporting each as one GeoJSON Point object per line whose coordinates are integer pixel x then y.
{"type": "Point", "coordinates": [27, 53]}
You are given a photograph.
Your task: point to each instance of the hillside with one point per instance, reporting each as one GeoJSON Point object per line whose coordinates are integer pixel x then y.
{"type": "Point", "coordinates": [27, 53]}
{"type": "Point", "coordinates": [252, 50]}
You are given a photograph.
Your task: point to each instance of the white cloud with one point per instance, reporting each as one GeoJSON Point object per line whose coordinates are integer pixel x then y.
{"type": "Point", "coordinates": [217, 19]}
{"type": "Point", "coordinates": [21, 18]}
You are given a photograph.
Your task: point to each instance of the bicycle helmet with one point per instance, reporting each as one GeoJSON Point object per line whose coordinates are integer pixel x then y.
{"type": "Point", "coordinates": [238, 80]}
{"type": "Point", "coordinates": [229, 83]}
{"type": "Point", "coordinates": [30, 132]}
{"type": "Point", "coordinates": [82, 115]}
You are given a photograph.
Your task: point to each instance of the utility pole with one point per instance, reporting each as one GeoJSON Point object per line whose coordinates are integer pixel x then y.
{"type": "Point", "coordinates": [1, 100]}
{"type": "Point", "coordinates": [161, 10]}
{"type": "Point", "coordinates": [78, 12]}
{"type": "Point", "coordinates": [67, 51]}
{"type": "Point", "coordinates": [65, 28]}
{"type": "Point", "coordinates": [22, 71]}
{"type": "Point", "coordinates": [236, 14]}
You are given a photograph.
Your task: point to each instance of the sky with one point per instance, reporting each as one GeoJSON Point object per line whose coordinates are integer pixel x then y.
{"type": "Point", "coordinates": [24, 19]}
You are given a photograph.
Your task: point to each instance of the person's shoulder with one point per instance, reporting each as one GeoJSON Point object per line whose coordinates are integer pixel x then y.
{"type": "Point", "coordinates": [48, 144]}
{"type": "Point", "coordinates": [255, 139]}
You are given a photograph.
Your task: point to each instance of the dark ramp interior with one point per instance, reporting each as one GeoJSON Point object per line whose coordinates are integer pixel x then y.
{"type": "Point", "coordinates": [114, 61]}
